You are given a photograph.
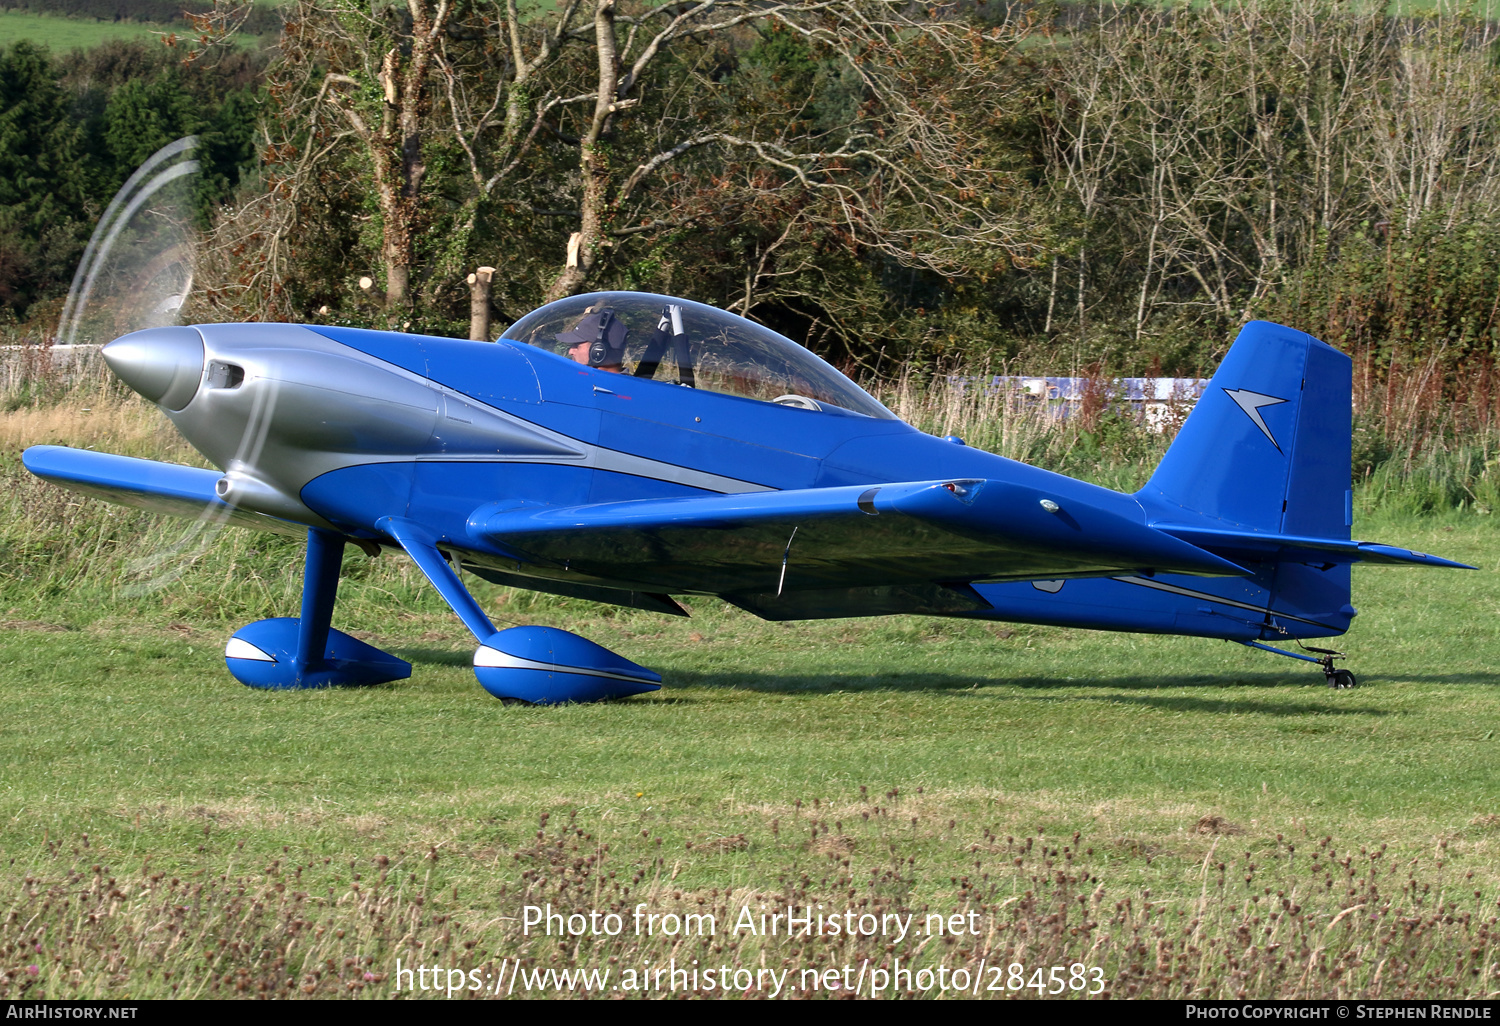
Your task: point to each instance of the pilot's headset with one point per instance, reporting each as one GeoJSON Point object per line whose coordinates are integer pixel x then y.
{"type": "Point", "coordinates": [604, 333]}
{"type": "Point", "coordinates": [608, 346]}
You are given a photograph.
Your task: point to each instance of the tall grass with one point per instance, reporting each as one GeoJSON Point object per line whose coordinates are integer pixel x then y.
{"type": "Point", "coordinates": [1102, 440]}
{"type": "Point", "coordinates": [1421, 443]}
{"type": "Point", "coordinates": [1290, 919]}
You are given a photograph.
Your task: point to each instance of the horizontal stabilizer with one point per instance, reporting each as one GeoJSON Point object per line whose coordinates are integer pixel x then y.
{"type": "Point", "coordinates": [837, 538]}
{"type": "Point", "coordinates": [146, 484]}
{"type": "Point", "coordinates": [1372, 552]}
{"type": "Point", "coordinates": [1263, 546]}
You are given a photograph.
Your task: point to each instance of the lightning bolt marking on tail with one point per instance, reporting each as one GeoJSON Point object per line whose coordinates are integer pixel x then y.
{"type": "Point", "coordinates": [1251, 403]}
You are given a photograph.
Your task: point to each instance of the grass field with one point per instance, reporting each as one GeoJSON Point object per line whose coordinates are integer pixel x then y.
{"type": "Point", "coordinates": [62, 34]}
{"type": "Point", "coordinates": [1189, 817]}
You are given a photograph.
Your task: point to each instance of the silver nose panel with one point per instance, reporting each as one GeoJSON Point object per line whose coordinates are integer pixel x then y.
{"type": "Point", "coordinates": [164, 365]}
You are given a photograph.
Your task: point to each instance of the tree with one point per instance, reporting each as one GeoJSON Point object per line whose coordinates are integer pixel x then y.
{"type": "Point", "coordinates": [605, 132]}
{"type": "Point", "coordinates": [903, 170]}
{"type": "Point", "coordinates": [143, 115]}
{"type": "Point", "coordinates": [384, 103]}
{"type": "Point", "coordinates": [42, 180]}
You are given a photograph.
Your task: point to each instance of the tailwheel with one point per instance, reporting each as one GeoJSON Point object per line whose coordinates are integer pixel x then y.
{"type": "Point", "coordinates": [1337, 679]}
{"type": "Point", "coordinates": [1341, 679]}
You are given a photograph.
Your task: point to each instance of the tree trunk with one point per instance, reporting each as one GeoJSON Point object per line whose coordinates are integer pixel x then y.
{"type": "Point", "coordinates": [595, 164]}
{"type": "Point", "coordinates": [479, 304]}
{"type": "Point", "coordinates": [400, 166]}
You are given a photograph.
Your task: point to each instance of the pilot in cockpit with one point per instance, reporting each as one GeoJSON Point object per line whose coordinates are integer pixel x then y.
{"type": "Point", "coordinates": [597, 340]}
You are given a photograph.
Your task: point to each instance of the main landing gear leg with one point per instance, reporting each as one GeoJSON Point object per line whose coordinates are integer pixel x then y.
{"type": "Point", "coordinates": [1337, 678]}
{"type": "Point", "coordinates": [306, 652]}
{"type": "Point", "coordinates": [526, 665]}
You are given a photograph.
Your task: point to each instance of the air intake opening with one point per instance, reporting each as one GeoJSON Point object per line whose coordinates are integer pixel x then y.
{"type": "Point", "coordinates": [225, 375]}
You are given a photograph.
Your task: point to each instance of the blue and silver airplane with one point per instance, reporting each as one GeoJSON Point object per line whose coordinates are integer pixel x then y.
{"type": "Point", "coordinates": [626, 447]}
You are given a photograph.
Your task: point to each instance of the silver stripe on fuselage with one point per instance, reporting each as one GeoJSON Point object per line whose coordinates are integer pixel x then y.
{"type": "Point", "coordinates": [595, 457]}
{"type": "Point", "coordinates": [487, 656]}
{"type": "Point", "coordinates": [1205, 596]}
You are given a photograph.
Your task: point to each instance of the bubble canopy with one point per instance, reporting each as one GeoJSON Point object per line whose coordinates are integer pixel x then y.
{"type": "Point", "coordinates": [687, 343]}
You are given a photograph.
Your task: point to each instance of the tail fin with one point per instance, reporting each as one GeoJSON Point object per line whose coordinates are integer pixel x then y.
{"type": "Point", "coordinates": [1267, 446]}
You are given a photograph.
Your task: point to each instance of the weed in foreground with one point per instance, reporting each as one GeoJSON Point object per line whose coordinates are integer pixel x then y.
{"type": "Point", "coordinates": [1278, 922]}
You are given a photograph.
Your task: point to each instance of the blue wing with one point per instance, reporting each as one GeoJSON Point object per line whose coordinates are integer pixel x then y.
{"type": "Point", "coordinates": [146, 484]}
{"type": "Point", "coordinates": [939, 547]}
{"type": "Point", "coordinates": [782, 542]}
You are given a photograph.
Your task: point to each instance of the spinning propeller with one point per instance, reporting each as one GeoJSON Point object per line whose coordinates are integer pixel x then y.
{"type": "Point", "coordinates": [137, 272]}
